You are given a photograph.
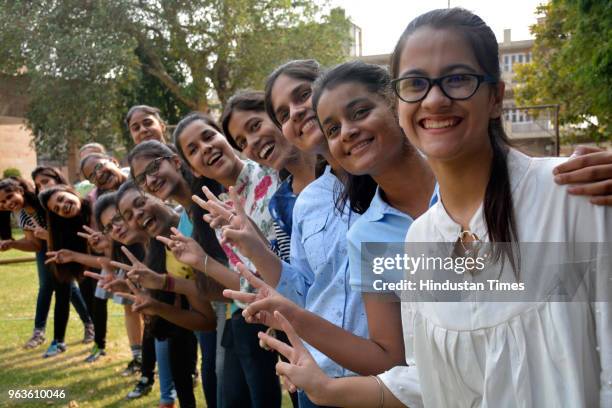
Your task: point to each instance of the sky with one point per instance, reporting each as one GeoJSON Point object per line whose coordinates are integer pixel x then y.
{"type": "Point", "coordinates": [383, 21]}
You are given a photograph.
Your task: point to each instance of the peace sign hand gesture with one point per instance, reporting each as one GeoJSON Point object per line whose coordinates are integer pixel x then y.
{"type": "Point", "coordinates": [186, 250]}
{"type": "Point", "coordinates": [139, 272]}
{"type": "Point", "coordinates": [241, 232]}
{"type": "Point", "coordinates": [301, 370]}
{"type": "Point", "coordinates": [141, 301]}
{"type": "Point", "coordinates": [61, 256]}
{"type": "Point", "coordinates": [96, 239]}
{"type": "Point", "coordinates": [261, 305]}
{"type": "Point", "coordinates": [219, 213]}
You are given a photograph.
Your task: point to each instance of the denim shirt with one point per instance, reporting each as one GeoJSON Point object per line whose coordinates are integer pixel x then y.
{"type": "Point", "coordinates": [380, 223]}
{"type": "Point", "coordinates": [317, 278]}
{"type": "Point", "coordinates": [281, 205]}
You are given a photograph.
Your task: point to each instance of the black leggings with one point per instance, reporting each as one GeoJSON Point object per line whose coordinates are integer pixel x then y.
{"type": "Point", "coordinates": [148, 354]}
{"type": "Point", "coordinates": [182, 347]}
{"type": "Point", "coordinates": [98, 309]}
{"type": "Point", "coordinates": [61, 309]}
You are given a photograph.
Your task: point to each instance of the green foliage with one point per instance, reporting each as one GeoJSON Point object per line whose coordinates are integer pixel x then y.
{"type": "Point", "coordinates": [11, 172]}
{"type": "Point", "coordinates": [89, 60]}
{"type": "Point", "coordinates": [572, 66]}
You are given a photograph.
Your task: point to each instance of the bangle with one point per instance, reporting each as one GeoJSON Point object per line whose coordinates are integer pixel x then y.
{"type": "Point", "coordinates": [382, 391]}
{"type": "Point", "coordinates": [205, 264]}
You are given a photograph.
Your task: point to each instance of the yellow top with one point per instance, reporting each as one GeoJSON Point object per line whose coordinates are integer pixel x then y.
{"type": "Point", "coordinates": [176, 268]}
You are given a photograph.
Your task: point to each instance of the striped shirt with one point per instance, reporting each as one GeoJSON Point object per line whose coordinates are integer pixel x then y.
{"type": "Point", "coordinates": [30, 220]}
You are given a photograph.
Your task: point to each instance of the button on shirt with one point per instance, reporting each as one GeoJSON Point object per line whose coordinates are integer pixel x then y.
{"type": "Point", "coordinates": [318, 277]}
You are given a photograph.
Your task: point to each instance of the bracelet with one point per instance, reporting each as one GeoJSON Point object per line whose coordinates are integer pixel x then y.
{"type": "Point", "coordinates": [382, 391]}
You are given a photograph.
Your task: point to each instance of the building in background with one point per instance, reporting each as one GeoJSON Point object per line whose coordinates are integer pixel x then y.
{"type": "Point", "coordinates": [532, 129]}
{"type": "Point", "coordinates": [16, 149]}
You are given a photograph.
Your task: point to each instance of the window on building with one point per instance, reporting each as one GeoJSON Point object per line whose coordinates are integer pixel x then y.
{"type": "Point", "coordinates": [520, 58]}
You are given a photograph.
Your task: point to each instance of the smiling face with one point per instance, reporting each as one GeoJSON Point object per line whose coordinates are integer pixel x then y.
{"type": "Point", "coordinates": [160, 176]}
{"type": "Point", "coordinates": [292, 106]}
{"type": "Point", "coordinates": [445, 129]}
{"type": "Point", "coordinates": [361, 130]}
{"type": "Point", "coordinates": [144, 126]}
{"type": "Point", "coordinates": [145, 213]}
{"type": "Point", "coordinates": [208, 152]}
{"type": "Point", "coordinates": [64, 204]}
{"type": "Point", "coordinates": [103, 172]}
{"type": "Point", "coordinates": [111, 219]}
{"type": "Point", "coordinates": [11, 199]}
{"type": "Point", "coordinates": [260, 140]}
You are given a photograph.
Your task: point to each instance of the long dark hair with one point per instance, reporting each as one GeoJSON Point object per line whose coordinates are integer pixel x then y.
{"type": "Point", "coordinates": [30, 199]}
{"type": "Point", "coordinates": [103, 202]}
{"type": "Point", "coordinates": [305, 70]}
{"type": "Point", "coordinates": [63, 231]}
{"type": "Point", "coordinates": [246, 101]}
{"type": "Point", "coordinates": [498, 205]}
{"type": "Point", "coordinates": [50, 172]}
{"type": "Point", "coordinates": [358, 190]}
{"type": "Point", "coordinates": [202, 232]}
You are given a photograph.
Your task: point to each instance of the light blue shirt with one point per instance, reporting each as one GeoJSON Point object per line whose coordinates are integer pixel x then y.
{"type": "Point", "coordinates": [380, 223]}
{"type": "Point", "coordinates": [185, 226]}
{"type": "Point", "coordinates": [317, 278]}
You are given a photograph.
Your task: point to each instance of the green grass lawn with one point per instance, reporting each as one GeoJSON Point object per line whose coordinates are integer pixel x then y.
{"type": "Point", "coordinates": [86, 385]}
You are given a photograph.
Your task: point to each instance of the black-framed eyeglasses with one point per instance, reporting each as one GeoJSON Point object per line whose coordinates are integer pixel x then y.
{"type": "Point", "coordinates": [151, 170]}
{"type": "Point", "coordinates": [457, 87]}
{"type": "Point", "coordinates": [93, 177]}
{"type": "Point", "coordinates": [116, 221]}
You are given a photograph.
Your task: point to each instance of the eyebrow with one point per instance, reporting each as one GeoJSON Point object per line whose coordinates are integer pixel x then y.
{"type": "Point", "coordinates": [444, 71]}
{"type": "Point", "coordinates": [348, 107]}
{"type": "Point", "coordinates": [249, 122]}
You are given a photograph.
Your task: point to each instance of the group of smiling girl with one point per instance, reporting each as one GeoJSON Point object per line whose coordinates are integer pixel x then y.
{"type": "Point", "coordinates": [269, 211]}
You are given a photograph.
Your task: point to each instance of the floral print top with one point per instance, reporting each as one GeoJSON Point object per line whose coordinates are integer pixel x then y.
{"type": "Point", "coordinates": [255, 186]}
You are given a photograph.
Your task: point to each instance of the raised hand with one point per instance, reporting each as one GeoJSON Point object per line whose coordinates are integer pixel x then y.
{"type": "Point", "coordinates": [61, 256]}
{"type": "Point", "coordinates": [38, 232]}
{"type": "Point", "coordinates": [102, 279]}
{"type": "Point", "coordinates": [139, 272]}
{"type": "Point", "coordinates": [302, 371]}
{"type": "Point", "coordinates": [186, 250]}
{"type": "Point", "coordinates": [240, 231]}
{"type": "Point", "coordinates": [219, 213]}
{"type": "Point", "coordinates": [590, 170]}
{"type": "Point", "coordinates": [96, 239]}
{"type": "Point", "coordinates": [142, 302]}
{"type": "Point", "coordinates": [261, 305]}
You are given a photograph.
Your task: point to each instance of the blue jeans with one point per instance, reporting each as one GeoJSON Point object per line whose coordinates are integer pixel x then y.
{"type": "Point", "coordinates": [208, 346]}
{"type": "Point", "coordinates": [46, 282]}
{"type": "Point", "coordinates": [305, 402]}
{"type": "Point", "coordinates": [166, 385]}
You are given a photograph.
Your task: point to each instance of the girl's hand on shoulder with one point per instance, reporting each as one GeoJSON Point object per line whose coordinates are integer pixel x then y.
{"type": "Point", "coordinates": [589, 171]}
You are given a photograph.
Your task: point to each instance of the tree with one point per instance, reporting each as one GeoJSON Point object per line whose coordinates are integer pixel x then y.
{"type": "Point", "coordinates": [89, 58]}
{"type": "Point", "coordinates": [572, 66]}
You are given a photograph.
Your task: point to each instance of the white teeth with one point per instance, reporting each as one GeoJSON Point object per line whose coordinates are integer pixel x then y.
{"type": "Point", "coordinates": [146, 222]}
{"type": "Point", "coordinates": [308, 125]}
{"type": "Point", "coordinates": [266, 150]}
{"type": "Point", "coordinates": [360, 144]}
{"type": "Point", "coordinates": [438, 124]}
{"type": "Point", "coordinates": [213, 158]}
